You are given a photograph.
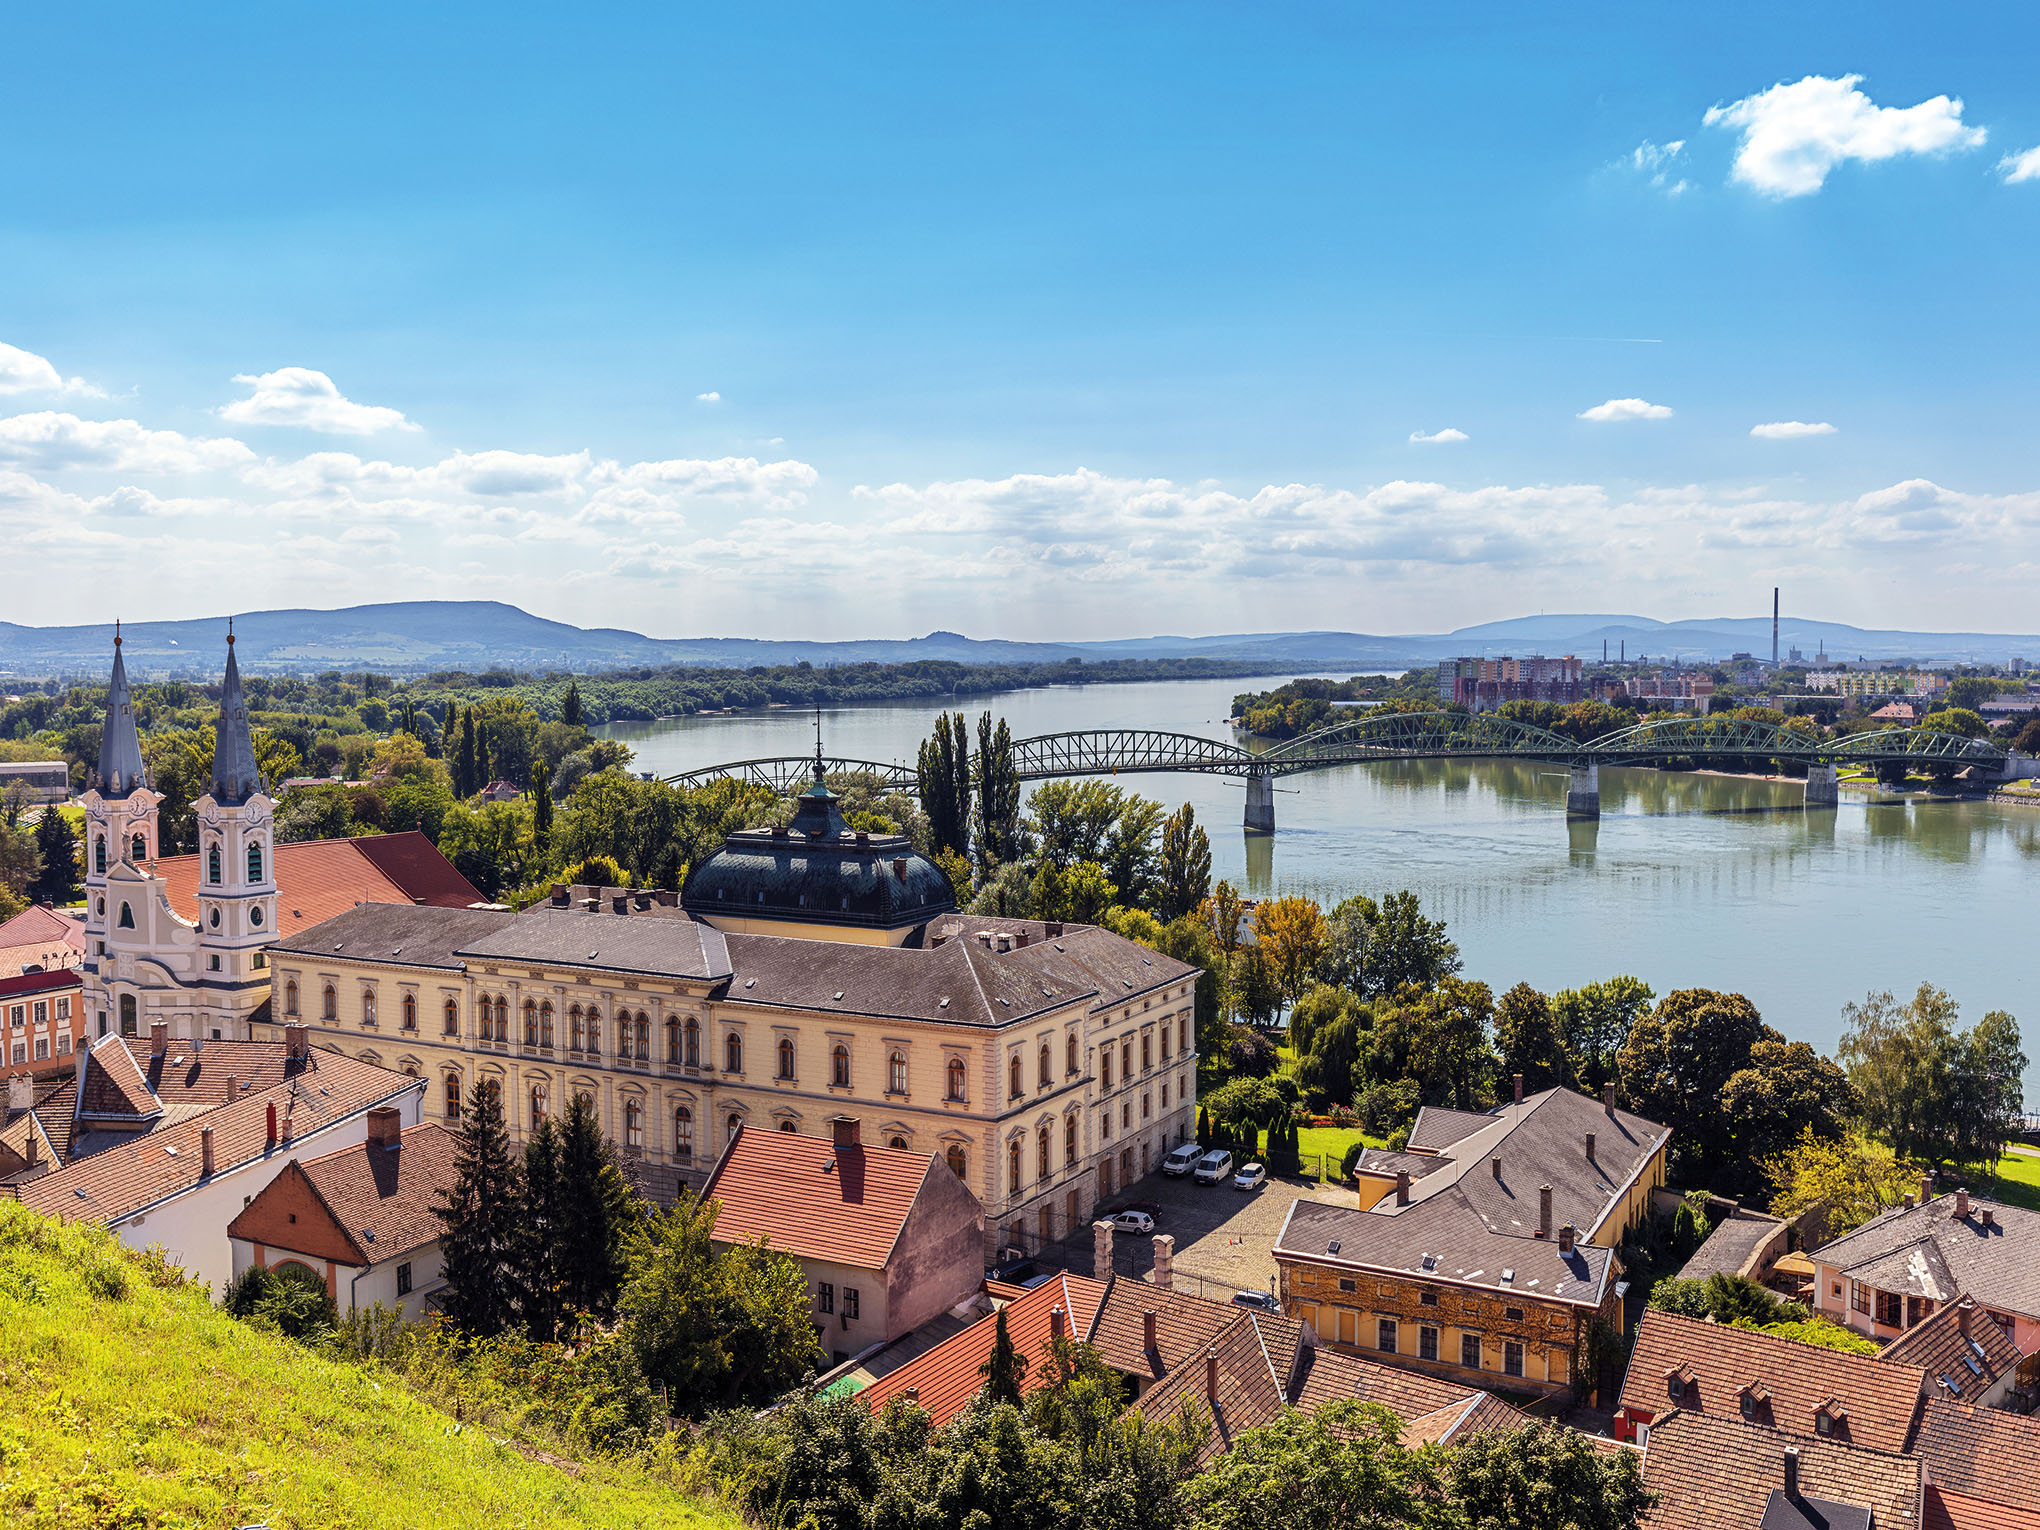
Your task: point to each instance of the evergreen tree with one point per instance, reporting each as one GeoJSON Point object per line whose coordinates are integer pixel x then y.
{"type": "Point", "coordinates": [997, 781]}
{"type": "Point", "coordinates": [541, 818]}
{"type": "Point", "coordinates": [943, 769]}
{"type": "Point", "coordinates": [570, 706]}
{"type": "Point", "coordinates": [57, 882]}
{"type": "Point", "coordinates": [482, 776]}
{"type": "Point", "coordinates": [483, 1214]}
{"type": "Point", "coordinates": [596, 1214]}
{"type": "Point", "coordinates": [1005, 1368]}
{"type": "Point", "coordinates": [545, 1307]}
{"type": "Point", "coordinates": [464, 766]}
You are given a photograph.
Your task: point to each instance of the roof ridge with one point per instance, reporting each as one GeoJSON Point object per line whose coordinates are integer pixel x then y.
{"type": "Point", "coordinates": [346, 1232]}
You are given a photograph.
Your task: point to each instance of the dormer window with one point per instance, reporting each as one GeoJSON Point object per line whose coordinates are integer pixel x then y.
{"type": "Point", "coordinates": [1828, 1418]}
{"type": "Point", "coordinates": [1751, 1398]}
{"type": "Point", "coordinates": [1677, 1382]}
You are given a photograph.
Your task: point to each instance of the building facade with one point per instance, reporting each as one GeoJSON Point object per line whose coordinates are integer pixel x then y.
{"type": "Point", "coordinates": [1048, 1066]}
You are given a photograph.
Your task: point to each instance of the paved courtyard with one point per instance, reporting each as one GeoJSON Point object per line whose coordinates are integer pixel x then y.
{"type": "Point", "coordinates": [1223, 1236]}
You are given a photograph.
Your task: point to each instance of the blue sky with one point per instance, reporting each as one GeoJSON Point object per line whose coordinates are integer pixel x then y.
{"type": "Point", "coordinates": [1044, 321]}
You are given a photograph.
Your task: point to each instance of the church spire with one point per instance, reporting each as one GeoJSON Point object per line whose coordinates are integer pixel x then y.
{"type": "Point", "coordinates": [120, 747]}
{"type": "Point", "coordinates": [234, 777]}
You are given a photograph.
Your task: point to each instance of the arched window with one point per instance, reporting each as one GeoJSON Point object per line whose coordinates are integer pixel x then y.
{"type": "Point", "coordinates": [531, 1022]}
{"type": "Point", "coordinates": [693, 1042]}
{"type": "Point", "coordinates": [594, 1037]}
{"type": "Point", "coordinates": [633, 1125]}
{"type": "Point", "coordinates": [788, 1125]}
{"type": "Point", "coordinates": [1045, 1065]}
{"type": "Point", "coordinates": [254, 863]}
{"type": "Point", "coordinates": [954, 1157]}
{"type": "Point", "coordinates": [538, 1098]}
{"type": "Point", "coordinates": [956, 1075]}
{"type": "Point", "coordinates": [330, 1006]}
{"type": "Point", "coordinates": [141, 850]}
{"type": "Point", "coordinates": [502, 1020]}
{"type": "Point", "coordinates": [1165, 1041]}
{"type": "Point", "coordinates": [683, 1133]}
{"type": "Point", "coordinates": [672, 1041]}
{"type": "Point", "coordinates": [733, 1055]}
{"type": "Point", "coordinates": [1070, 1055]}
{"type": "Point", "coordinates": [1183, 1034]}
{"type": "Point", "coordinates": [290, 996]}
{"type": "Point", "coordinates": [410, 1012]}
{"type": "Point", "coordinates": [839, 1066]}
{"type": "Point", "coordinates": [785, 1057]}
{"type": "Point", "coordinates": [1013, 1166]}
{"type": "Point", "coordinates": [368, 1006]}
{"type": "Point", "coordinates": [623, 1034]}
{"type": "Point", "coordinates": [1147, 1052]}
{"type": "Point", "coordinates": [575, 1034]}
{"type": "Point", "coordinates": [1018, 1088]}
{"type": "Point", "coordinates": [898, 1142]}
{"type": "Point", "coordinates": [212, 865]}
{"type": "Point", "coordinates": [453, 1096]}
{"type": "Point", "coordinates": [545, 1025]}
{"type": "Point", "coordinates": [1041, 1167]}
{"type": "Point", "coordinates": [736, 1124]}
{"type": "Point", "coordinates": [1069, 1142]}
{"type": "Point", "coordinates": [451, 1021]}
{"type": "Point", "coordinates": [127, 917]}
{"type": "Point", "coordinates": [99, 853]}
{"type": "Point", "coordinates": [129, 1026]}
{"type": "Point", "coordinates": [644, 1037]}
{"type": "Point", "coordinates": [896, 1073]}
{"type": "Point", "coordinates": [1126, 1058]}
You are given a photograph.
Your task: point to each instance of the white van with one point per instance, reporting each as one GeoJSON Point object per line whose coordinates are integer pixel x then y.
{"type": "Point", "coordinates": [1182, 1160]}
{"type": "Point", "coordinates": [1214, 1166]}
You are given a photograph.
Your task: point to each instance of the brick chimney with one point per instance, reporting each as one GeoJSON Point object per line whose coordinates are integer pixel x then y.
{"type": "Point", "coordinates": [269, 1132]}
{"type": "Point", "coordinates": [1909, 1200]}
{"type": "Point", "coordinates": [33, 1149]}
{"type": "Point", "coordinates": [1056, 1324]}
{"type": "Point", "coordinates": [297, 1042]}
{"type": "Point", "coordinates": [232, 1085]}
{"type": "Point", "coordinates": [1150, 1343]}
{"type": "Point", "coordinates": [620, 904]}
{"type": "Point", "coordinates": [1792, 1472]}
{"type": "Point", "coordinates": [1402, 1187]}
{"type": "Point", "coordinates": [1963, 1309]}
{"type": "Point", "coordinates": [1519, 1088]}
{"type": "Point", "coordinates": [385, 1126]}
{"type": "Point", "coordinates": [205, 1153]}
{"type": "Point", "coordinates": [286, 1133]}
{"type": "Point", "coordinates": [1926, 1188]}
{"type": "Point", "coordinates": [1962, 1203]}
{"type": "Point", "coordinates": [1608, 1100]}
{"type": "Point", "coordinates": [1101, 1250]}
{"type": "Point", "coordinates": [1211, 1378]}
{"type": "Point", "coordinates": [159, 1038]}
{"type": "Point", "coordinates": [1590, 1147]}
{"type": "Point", "coordinates": [1544, 1211]}
{"type": "Point", "coordinates": [560, 897]}
{"type": "Point", "coordinates": [1165, 1262]}
{"type": "Point", "coordinates": [1566, 1235]}
{"type": "Point", "coordinates": [1495, 1163]}
{"type": "Point", "coordinates": [843, 1131]}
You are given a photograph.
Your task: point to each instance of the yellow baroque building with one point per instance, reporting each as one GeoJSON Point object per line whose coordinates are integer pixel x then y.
{"type": "Point", "coordinates": [803, 976]}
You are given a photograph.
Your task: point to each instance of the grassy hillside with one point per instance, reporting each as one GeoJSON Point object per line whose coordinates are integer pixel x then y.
{"type": "Point", "coordinates": [135, 1406]}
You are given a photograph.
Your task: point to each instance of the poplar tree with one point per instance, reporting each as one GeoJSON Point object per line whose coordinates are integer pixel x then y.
{"type": "Point", "coordinates": [570, 705]}
{"type": "Point", "coordinates": [483, 1214]}
{"type": "Point", "coordinates": [1186, 865]}
{"type": "Point", "coordinates": [541, 816]}
{"type": "Point", "coordinates": [998, 794]}
{"type": "Point", "coordinates": [943, 769]}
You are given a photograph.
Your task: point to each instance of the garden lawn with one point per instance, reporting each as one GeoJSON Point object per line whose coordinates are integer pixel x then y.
{"type": "Point", "coordinates": [1331, 1142]}
{"type": "Point", "coordinates": [2018, 1181]}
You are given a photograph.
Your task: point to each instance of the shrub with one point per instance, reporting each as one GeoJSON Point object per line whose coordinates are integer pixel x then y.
{"type": "Point", "coordinates": [288, 1298]}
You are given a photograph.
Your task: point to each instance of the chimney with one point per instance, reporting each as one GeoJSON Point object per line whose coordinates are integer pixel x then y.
{"type": "Point", "coordinates": [1792, 1472]}
{"type": "Point", "coordinates": [285, 1139]}
{"type": "Point", "coordinates": [1962, 1203]}
{"type": "Point", "coordinates": [560, 896]}
{"type": "Point", "coordinates": [1926, 1188]}
{"type": "Point", "coordinates": [269, 1132]}
{"type": "Point", "coordinates": [1052, 930]}
{"type": "Point", "coordinates": [1608, 1099]}
{"type": "Point", "coordinates": [1544, 1211]}
{"type": "Point", "coordinates": [1402, 1187]}
{"type": "Point", "coordinates": [1909, 1200]}
{"type": "Point", "coordinates": [1519, 1088]}
{"type": "Point", "coordinates": [296, 1042]}
{"type": "Point", "coordinates": [864, 839]}
{"type": "Point", "coordinates": [620, 904]}
{"type": "Point", "coordinates": [1024, 939]}
{"type": "Point", "coordinates": [1590, 1147]}
{"type": "Point", "coordinates": [232, 1084]}
{"type": "Point", "coordinates": [1055, 1323]}
{"type": "Point", "coordinates": [1101, 1250]}
{"type": "Point", "coordinates": [159, 1039]}
{"type": "Point", "coordinates": [385, 1126]}
{"type": "Point", "coordinates": [1962, 1310]}
{"type": "Point", "coordinates": [899, 868]}
{"type": "Point", "coordinates": [205, 1158]}
{"type": "Point", "coordinates": [1149, 1342]}
{"type": "Point", "coordinates": [1211, 1378]}
{"type": "Point", "coordinates": [911, 1394]}
{"type": "Point", "coordinates": [20, 1092]}
{"type": "Point", "coordinates": [1165, 1262]}
{"type": "Point", "coordinates": [843, 1131]}
{"type": "Point", "coordinates": [1989, 1217]}
{"type": "Point", "coordinates": [1495, 1163]}
{"type": "Point", "coordinates": [667, 898]}
{"type": "Point", "coordinates": [1566, 1234]}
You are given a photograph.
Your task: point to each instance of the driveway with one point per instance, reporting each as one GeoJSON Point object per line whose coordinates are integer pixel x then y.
{"type": "Point", "coordinates": [1223, 1236]}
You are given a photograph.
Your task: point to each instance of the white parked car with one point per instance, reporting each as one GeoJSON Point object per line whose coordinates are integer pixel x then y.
{"type": "Point", "coordinates": [1182, 1160]}
{"type": "Point", "coordinates": [1132, 1222]}
{"type": "Point", "coordinates": [1252, 1177]}
{"type": "Point", "coordinates": [1213, 1167]}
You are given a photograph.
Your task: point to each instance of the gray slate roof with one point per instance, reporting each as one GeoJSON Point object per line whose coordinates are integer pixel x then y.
{"type": "Point", "coordinates": [406, 934]}
{"type": "Point", "coordinates": [120, 747]}
{"type": "Point", "coordinates": [234, 776]}
{"type": "Point", "coordinates": [1115, 968]}
{"type": "Point", "coordinates": [1437, 1128]}
{"type": "Point", "coordinates": [657, 945]}
{"type": "Point", "coordinates": [959, 983]}
{"type": "Point", "coordinates": [1998, 1265]}
{"type": "Point", "coordinates": [1729, 1247]}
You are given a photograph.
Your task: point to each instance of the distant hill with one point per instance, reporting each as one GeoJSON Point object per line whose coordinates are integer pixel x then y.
{"type": "Point", "coordinates": [415, 636]}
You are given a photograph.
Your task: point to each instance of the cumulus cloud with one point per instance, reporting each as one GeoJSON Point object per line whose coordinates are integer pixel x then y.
{"type": "Point", "coordinates": [48, 440]}
{"type": "Point", "coordinates": [307, 400]}
{"type": "Point", "coordinates": [1656, 163]}
{"type": "Point", "coordinates": [1626, 409]}
{"type": "Point", "coordinates": [708, 398]}
{"type": "Point", "coordinates": [1793, 135]}
{"type": "Point", "coordinates": [25, 372]}
{"type": "Point", "coordinates": [2020, 167]}
{"type": "Point", "coordinates": [501, 472]}
{"type": "Point", "coordinates": [1443, 437]}
{"type": "Point", "coordinates": [1791, 430]}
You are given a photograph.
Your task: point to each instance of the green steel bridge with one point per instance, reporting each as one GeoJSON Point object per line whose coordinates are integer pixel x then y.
{"type": "Point", "coordinates": [1420, 736]}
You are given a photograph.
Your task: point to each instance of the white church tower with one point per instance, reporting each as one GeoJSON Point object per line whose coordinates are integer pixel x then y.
{"type": "Point", "coordinates": [120, 836]}
{"type": "Point", "coordinates": [236, 872]}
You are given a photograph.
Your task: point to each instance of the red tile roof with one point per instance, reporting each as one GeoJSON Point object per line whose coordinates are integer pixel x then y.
{"type": "Point", "coordinates": [322, 877]}
{"type": "Point", "coordinates": [947, 1377]}
{"type": "Point", "coordinates": [1878, 1400]}
{"type": "Point", "coordinates": [1960, 1366]}
{"type": "Point", "coordinates": [380, 1198]}
{"type": "Point", "coordinates": [809, 1198]}
{"type": "Point", "coordinates": [41, 982]}
{"type": "Point", "coordinates": [112, 1085]}
{"type": "Point", "coordinates": [37, 926]}
{"type": "Point", "coordinates": [1185, 1326]}
{"type": "Point", "coordinates": [1958, 1511]}
{"type": "Point", "coordinates": [1712, 1474]}
{"type": "Point", "coordinates": [1240, 1382]}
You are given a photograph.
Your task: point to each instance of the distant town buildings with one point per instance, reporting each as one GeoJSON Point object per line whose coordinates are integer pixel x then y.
{"type": "Point", "coordinates": [1485, 684]}
{"type": "Point", "coordinates": [1866, 681]}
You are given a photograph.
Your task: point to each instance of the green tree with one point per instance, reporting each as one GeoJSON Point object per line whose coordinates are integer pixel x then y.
{"type": "Point", "coordinates": [1005, 1368]}
{"type": "Point", "coordinates": [1675, 1065]}
{"type": "Point", "coordinates": [1787, 1088]}
{"type": "Point", "coordinates": [1072, 821]}
{"type": "Point", "coordinates": [996, 782]}
{"type": "Point", "coordinates": [1346, 931]}
{"type": "Point", "coordinates": [1185, 865]}
{"type": "Point", "coordinates": [570, 706]}
{"type": "Point", "coordinates": [56, 879]}
{"type": "Point", "coordinates": [482, 1212]}
{"type": "Point", "coordinates": [1290, 934]}
{"type": "Point", "coordinates": [1342, 1464]}
{"type": "Point", "coordinates": [287, 1297]}
{"type": "Point", "coordinates": [541, 819]}
{"type": "Point", "coordinates": [1594, 1022]}
{"type": "Point", "coordinates": [1527, 1038]}
{"type": "Point", "coordinates": [1403, 946]}
{"type": "Point", "coordinates": [1080, 895]}
{"type": "Point", "coordinates": [1935, 1093]}
{"type": "Point", "coordinates": [1131, 862]}
{"type": "Point", "coordinates": [1223, 914]}
{"type": "Point", "coordinates": [943, 779]}
{"type": "Point", "coordinates": [1547, 1476]}
{"type": "Point", "coordinates": [1851, 1178]}
{"type": "Point", "coordinates": [579, 1213]}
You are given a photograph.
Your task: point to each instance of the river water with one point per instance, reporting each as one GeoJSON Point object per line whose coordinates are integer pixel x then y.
{"type": "Point", "coordinates": [1687, 881]}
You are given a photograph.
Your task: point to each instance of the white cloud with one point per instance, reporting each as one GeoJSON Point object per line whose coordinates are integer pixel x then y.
{"type": "Point", "coordinates": [49, 440]}
{"type": "Point", "coordinates": [500, 472]}
{"type": "Point", "coordinates": [25, 372]}
{"type": "Point", "coordinates": [708, 398]}
{"type": "Point", "coordinates": [1654, 161]}
{"type": "Point", "coordinates": [1793, 135]}
{"type": "Point", "coordinates": [1626, 409]}
{"type": "Point", "coordinates": [2020, 167]}
{"type": "Point", "coordinates": [307, 400]}
{"type": "Point", "coordinates": [1443, 437]}
{"type": "Point", "coordinates": [1790, 430]}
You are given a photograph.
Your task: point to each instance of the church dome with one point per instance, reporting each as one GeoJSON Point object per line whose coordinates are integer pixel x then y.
{"type": "Point", "coordinates": [819, 871]}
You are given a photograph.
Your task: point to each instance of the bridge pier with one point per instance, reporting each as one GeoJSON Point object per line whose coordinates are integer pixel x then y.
{"type": "Point", "coordinates": [1583, 792]}
{"type": "Point", "coordinates": [1260, 805]}
{"type": "Point", "coordinates": [1821, 791]}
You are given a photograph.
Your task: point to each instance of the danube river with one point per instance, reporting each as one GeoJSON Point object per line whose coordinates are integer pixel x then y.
{"type": "Point", "coordinates": [1687, 880]}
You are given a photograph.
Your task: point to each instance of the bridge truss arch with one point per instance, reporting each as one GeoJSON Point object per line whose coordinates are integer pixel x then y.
{"type": "Point", "coordinates": [1378, 735]}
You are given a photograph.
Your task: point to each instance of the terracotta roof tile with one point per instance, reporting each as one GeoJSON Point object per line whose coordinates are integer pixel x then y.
{"type": "Point", "coordinates": [1946, 1510]}
{"type": "Point", "coordinates": [1328, 1376]}
{"type": "Point", "coordinates": [1879, 1400]}
{"type": "Point", "coordinates": [1982, 1452]}
{"type": "Point", "coordinates": [1958, 1366]}
{"type": "Point", "coordinates": [947, 1377]}
{"type": "Point", "coordinates": [807, 1197]}
{"type": "Point", "coordinates": [1239, 1382]}
{"type": "Point", "coordinates": [1479, 1413]}
{"type": "Point", "coordinates": [318, 878]}
{"type": "Point", "coordinates": [380, 1197]}
{"type": "Point", "coordinates": [112, 1085]}
{"type": "Point", "coordinates": [1711, 1474]}
{"type": "Point", "coordinates": [37, 926]}
{"type": "Point", "coordinates": [1185, 1326]}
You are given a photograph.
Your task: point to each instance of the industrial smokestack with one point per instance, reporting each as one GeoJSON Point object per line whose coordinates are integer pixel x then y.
{"type": "Point", "coordinates": [1774, 626]}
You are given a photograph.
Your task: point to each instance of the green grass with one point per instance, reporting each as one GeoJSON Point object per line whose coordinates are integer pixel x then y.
{"type": "Point", "coordinates": [2017, 1182]}
{"type": "Point", "coordinates": [138, 1406]}
{"type": "Point", "coordinates": [1333, 1139]}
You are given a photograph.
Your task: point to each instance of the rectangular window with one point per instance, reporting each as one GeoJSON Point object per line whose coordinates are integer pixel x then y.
{"type": "Point", "coordinates": [63, 1009]}
{"type": "Point", "coordinates": [1384, 1335]}
{"type": "Point", "coordinates": [1427, 1343]}
{"type": "Point", "coordinates": [1469, 1351]}
{"type": "Point", "coordinates": [403, 1280]}
{"type": "Point", "coordinates": [1512, 1359]}
{"type": "Point", "coordinates": [1890, 1310]}
{"type": "Point", "coordinates": [42, 1011]}
{"type": "Point", "coordinates": [850, 1301]}
{"type": "Point", "coordinates": [17, 1015]}
{"type": "Point", "coordinates": [1428, 1297]}
{"type": "Point", "coordinates": [42, 1048]}
{"type": "Point", "coordinates": [828, 1297]}
{"type": "Point", "coordinates": [1860, 1297]}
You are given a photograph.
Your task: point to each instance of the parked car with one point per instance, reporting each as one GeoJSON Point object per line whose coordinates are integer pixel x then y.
{"type": "Point", "coordinates": [1152, 1208]}
{"type": "Point", "coordinates": [1132, 1222]}
{"type": "Point", "coordinates": [1182, 1160]}
{"type": "Point", "coordinates": [1019, 1272]}
{"type": "Point", "coordinates": [1252, 1177]}
{"type": "Point", "coordinates": [1261, 1299]}
{"type": "Point", "coordinates": [1213, 1167]}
